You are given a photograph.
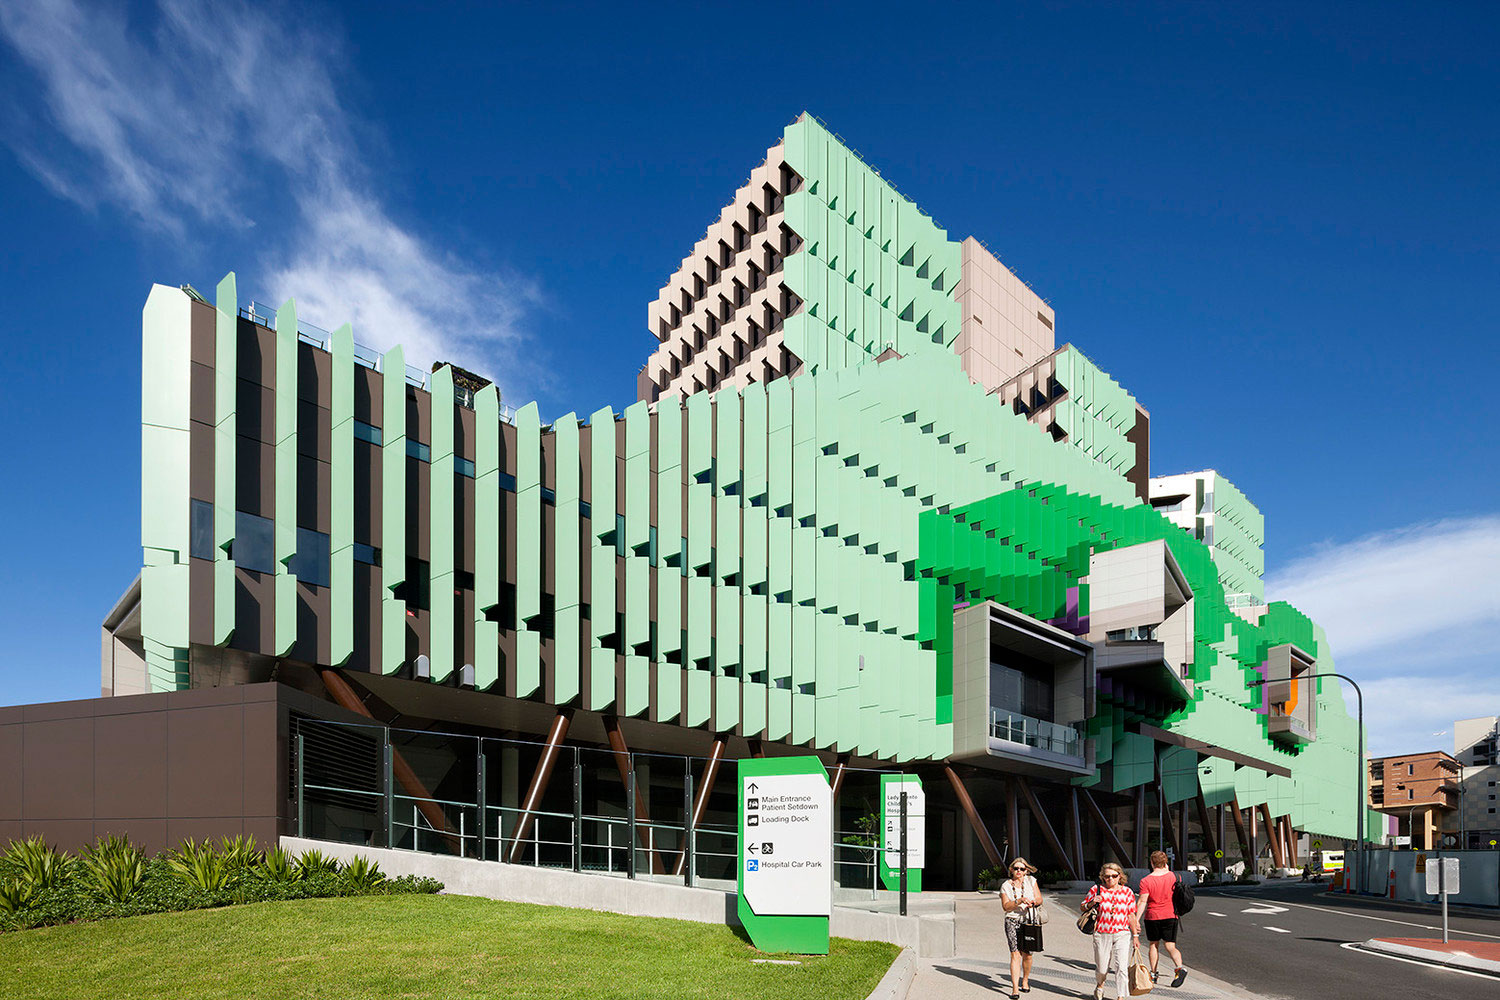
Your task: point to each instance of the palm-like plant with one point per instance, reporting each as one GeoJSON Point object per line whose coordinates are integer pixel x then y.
{"type": "Point", "coordinates": [16, 895]}
{"type": "Point", "coordinates": [278, 866]}
{"type": "Point", "coordinates": [360, 874]}
{"type": "Point", "coordinates": [239, 853]}
{"type": "Point", "coordinates": [198, 865]}
{"type": "Point", "coordinates": [315, 862]}
{"type": "Point", "coordinates": [114, 868]}
{"type": "Point", "coordinates": [35, 864]}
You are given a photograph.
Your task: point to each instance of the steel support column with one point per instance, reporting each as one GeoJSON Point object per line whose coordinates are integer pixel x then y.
{"type": "Point", "coordinates": [1012, 818]}
{"type": "Point", "coordinates": [345, 696]}
{"type": "Point", "coordinates": [1105, 829]}
{"type": "Point", "coordinates": [1142, 843]}
{"type": "Point", "coordinates": [539, 781]}
{"type": "Point", "coordinates": [705, 787]}
{"type": "Point", "coordinates": [1239, 830]}
{"type": "Point", "coordinates": [627, 778]}
{"type": "Point", "coordinates": [962, 794]}
{"type": "Point", "coordinates": [1047, 831]}
{"type": "Point", "coordinates": [1075, 822]}
{"type": "Point", "coordinates": [1277, 858]}
{"type": "Point", "coordinates": [1210, 841]}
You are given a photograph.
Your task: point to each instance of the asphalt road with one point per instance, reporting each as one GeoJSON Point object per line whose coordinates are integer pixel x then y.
{"type": "Point", "coordinates": [1289, 941]}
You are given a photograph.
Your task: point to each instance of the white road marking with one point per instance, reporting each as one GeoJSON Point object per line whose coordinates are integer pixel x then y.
{"type": "Point", "coordinates": [1387, 920]}
{"type": "Point", "coordinates": [1278, 930]}
{"type": "Point", "coordinates": [1266, 908]}
{"type": "Point", "coordinates": [1354, 946]}
{"type": "Point", "coordinates": [1213, 913]}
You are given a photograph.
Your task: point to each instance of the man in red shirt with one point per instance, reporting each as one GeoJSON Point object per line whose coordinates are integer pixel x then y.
{"type": "Point", "coordinates": [1161, 917]}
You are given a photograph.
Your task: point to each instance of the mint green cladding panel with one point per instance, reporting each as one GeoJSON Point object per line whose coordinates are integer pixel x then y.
{"type": "Point", "coordinates": [529, 544]}
{"type": "Point", "coordinates": [637, 559]}
{"type": "Point", "coordinates": [727, 602]}
{"type": "Point", "coordinates": [226, 394]}
{"type": "Point", "coordinates": [440, 547]}
{"type": "Point", "coordinates": [486, 535]}
{"type": "Point", "coordinates": [601, 690]}
{"type": "Point", "coordinates": [666, 698]}
{"type": "Point", "coordinates": [393, 510]}
{"type": "Point", "coordinates": [568, 527]}
{"type": "Point", "coordinates": [285, 450]}
{"type": "Point", "coordinates": [341, 535]}
{"type": "Point", "coordinates": [166, 371]}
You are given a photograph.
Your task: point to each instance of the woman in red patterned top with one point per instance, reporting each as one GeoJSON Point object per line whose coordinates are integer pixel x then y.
{"type": "Point", "coordinates": [1115, 927]}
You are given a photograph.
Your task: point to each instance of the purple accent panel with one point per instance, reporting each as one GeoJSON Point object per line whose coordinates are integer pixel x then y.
{"type": "Point", "coordinates": [1083, 625]}
{"type": "Point", "coordinates": [1072, 603]}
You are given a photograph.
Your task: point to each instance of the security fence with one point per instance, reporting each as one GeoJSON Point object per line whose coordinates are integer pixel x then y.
{"type": "Point", "coordinates": [624, 814]}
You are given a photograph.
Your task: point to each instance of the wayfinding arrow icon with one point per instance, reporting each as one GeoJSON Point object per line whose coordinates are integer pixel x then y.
{"type": "Point", "coordinates": [753, 786]}
{"type": "Point", "coordinates": [750, 847]}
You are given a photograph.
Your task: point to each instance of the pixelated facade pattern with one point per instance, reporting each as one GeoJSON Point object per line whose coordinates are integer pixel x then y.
{"type": "Point", "coordinates": [774, 557]}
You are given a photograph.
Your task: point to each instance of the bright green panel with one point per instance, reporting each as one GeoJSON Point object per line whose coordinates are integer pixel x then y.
{"type": "Point", "coordinates": [285, 451]}
{"type": "Point", "coordinates": [529, 548]}
{"type": "Point", "coordinates": [226, 395]}
{"type": "Point", "coordinates": [443, 624]}
{"type": "Point", "coordinates": [393, 509]}
{"type": "Point", "coordinates": [341, 538]}
{"type": "Point", "coordinates": [566, 652]}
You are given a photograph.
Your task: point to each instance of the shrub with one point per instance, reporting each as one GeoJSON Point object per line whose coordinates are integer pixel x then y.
{"type": "Point", "coordinates": [1052, 876]}
{"type": "Point", "coordinates": [361, 875]}
{"type": "Point", "coordinates": [114, 868]}
{"type": "Point", "coordinates": [16, 895]}
{"type": "Point", "coordinates": [198, 866]}
{"type": "Point", "coordinates": [989, 878]}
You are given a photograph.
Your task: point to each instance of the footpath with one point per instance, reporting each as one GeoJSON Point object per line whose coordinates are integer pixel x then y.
{"type": "Point", "coordinates": [1065, 967]}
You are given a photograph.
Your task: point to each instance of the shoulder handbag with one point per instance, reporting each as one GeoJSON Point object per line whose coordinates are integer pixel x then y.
{"type": "Point", "coordinates": [1029, 933]}
{"type": "Point", "coordinates": [1088, 918]}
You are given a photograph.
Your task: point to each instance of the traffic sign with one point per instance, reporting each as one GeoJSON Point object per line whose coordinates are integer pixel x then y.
{"type": "Point", "coordinates": [1494, 842]}
{"type": "Point", "coordinates": [1218, 854]}
{"type": "Point", "coordinates": [1443, 877]}
{"type": "Point", "coordinates": [1317, 844]}
{"type": "Point", "coordinates": [786, 870]}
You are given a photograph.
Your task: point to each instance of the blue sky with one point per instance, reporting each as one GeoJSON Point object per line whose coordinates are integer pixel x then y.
{"type": "Point", "coordinates": [1274, 224]}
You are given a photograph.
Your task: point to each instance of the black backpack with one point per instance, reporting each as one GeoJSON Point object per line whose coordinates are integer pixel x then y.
{"type": "Point", "coordinates": [1182, 896]}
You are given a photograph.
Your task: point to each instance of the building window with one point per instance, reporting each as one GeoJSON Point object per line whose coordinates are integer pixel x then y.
{"type": "Point", "coordinates": [254, 545]}
{"type": "Point", "coordinates": [418, 450]}
{"type": "Point", "coordinates": [1411, 793]}
{"type": "Point", "coordinates": [201, 531]}
{"type": "Point", "coordinates": [312, 563]}
{"type": "Point", "coordinates": [367, 432]}
{"type": "Point", "coordinates": [367, 554]}
{"type": "Point", "coordinates": [463, 466]}
{"type": "Point", "coordinates": [1411, 769]}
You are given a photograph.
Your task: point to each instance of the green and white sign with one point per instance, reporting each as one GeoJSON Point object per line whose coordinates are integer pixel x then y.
{"type": "Point", "coordinates": [786, 853]}
{"type": "Point", "coordinates": [891, 787]}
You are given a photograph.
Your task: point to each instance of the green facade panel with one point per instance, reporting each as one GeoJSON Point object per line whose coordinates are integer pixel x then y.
{"type": "Point", "coordinates": [529, 551]}
{"type": "Point", "coordinates": [393, 510]}
{"type": "Point", "coordinates": [487, 524]}
{"type": "Point", "coordinates": [443, 618]}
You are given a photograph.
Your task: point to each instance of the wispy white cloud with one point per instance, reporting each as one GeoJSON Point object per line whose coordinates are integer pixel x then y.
{"type": "Point", "coordinates": [211, 115]}
{"type": "Point", "coordinates": [1411, 614]}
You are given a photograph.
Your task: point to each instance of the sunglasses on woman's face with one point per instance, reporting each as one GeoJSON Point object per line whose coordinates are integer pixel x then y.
{"type": "Point", "coordinates": [1111, 875]}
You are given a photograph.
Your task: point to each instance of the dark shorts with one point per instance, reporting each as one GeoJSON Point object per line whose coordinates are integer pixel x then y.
{"type": "Point", "coordinates": [1161, 930]}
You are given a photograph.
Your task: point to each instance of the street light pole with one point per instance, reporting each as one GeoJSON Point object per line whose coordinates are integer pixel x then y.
{"type": "Point", "coordinates": [1359, 766]}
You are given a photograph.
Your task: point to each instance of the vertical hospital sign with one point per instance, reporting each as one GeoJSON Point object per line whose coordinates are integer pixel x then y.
{"type": "Point", "coordinates": [786, 853]}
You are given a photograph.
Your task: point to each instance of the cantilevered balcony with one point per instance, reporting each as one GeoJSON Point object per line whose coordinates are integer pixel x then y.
{"type": "Point", "coordinates": [1141, 620]}
{"type": "Point", "coordinates": [1290, 696]}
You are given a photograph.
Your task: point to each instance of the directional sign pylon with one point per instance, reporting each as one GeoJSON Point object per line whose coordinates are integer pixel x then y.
{"type": "Point", "coordinates": [786, 870]}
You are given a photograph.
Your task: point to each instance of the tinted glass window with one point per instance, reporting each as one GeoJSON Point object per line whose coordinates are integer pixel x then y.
{"type": "Point", "coordinates": [463, 467]}
{"type": "Point", "coordinates": [367, 432]}
{"type": "Point", "coordinates": [312, 562]}
{"type": "Point", "coordinates": [201, 530]}
{"type": "Point", "coordinates": [254, 543]}
{"type": "Point", "coordinates": [367, 554]}
{"type": "Point", "coordinates": [418, 450]}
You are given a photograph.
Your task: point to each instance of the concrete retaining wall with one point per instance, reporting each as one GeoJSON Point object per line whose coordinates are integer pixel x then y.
{"type": "Point", "coordinates": [931, 936]}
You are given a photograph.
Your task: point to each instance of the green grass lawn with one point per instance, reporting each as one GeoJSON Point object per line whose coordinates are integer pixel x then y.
{"type": "Point", "coordinates": [398, 947]}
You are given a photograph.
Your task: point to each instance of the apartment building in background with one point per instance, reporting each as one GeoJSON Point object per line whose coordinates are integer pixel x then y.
{"type": "Point", "coordinates": [1419, 792]}
{"type": "Point", "coordinates": [864, 507]}
{"type": "Point", "coordinates": [1476, 747]}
